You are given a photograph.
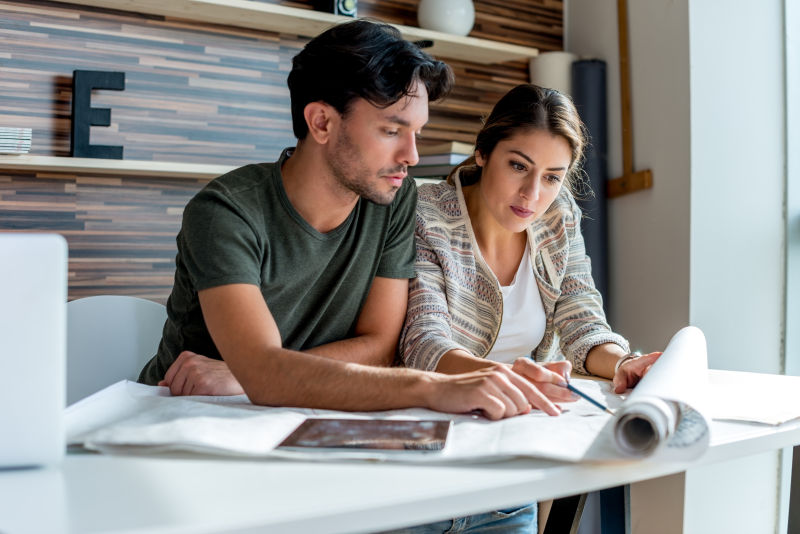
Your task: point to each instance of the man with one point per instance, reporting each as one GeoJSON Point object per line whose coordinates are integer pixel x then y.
{"type": "Point", "coordinates": [292, 277]}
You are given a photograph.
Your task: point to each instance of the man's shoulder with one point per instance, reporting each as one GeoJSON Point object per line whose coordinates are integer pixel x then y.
{"type": "Point", "coordinates": [242, 178]}
{"type": "Point", "coordinates": [243, 186]}
{"type": "Point", "coordinates": [241, 194]}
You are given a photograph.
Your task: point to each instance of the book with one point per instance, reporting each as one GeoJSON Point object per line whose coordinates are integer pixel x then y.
{"type": "Point", "coordinates": [430, 170]}
{"type": "Point", "coordinates": [14, 147]}
{"type": "Point", "coordinates": [441, 159]}
{"type": "Point", "coordinates": [18, 133]}
{"type": "Point", "coordinates": [451, 147]}
{"type": "Point", "coordinates": [15, 140]}
{"type": "Point", "coordinates": [386, 435]}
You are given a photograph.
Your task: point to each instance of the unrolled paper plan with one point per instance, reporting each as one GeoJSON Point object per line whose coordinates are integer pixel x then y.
{"type": "Point", "coordinates": [662, 417]}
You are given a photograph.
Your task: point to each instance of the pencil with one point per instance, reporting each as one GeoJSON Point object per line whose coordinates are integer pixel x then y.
{"type": "Point", "coordinates": [588, 398]}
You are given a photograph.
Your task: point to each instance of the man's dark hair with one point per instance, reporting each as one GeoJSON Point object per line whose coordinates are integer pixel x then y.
{"type": "Point", "coordinates": [362, 59]}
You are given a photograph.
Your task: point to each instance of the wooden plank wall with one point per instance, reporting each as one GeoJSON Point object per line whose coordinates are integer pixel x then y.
{"type": "Point", "coordinates": [121, 230]}
{"type": "Point", "coordinates": [195, 92]}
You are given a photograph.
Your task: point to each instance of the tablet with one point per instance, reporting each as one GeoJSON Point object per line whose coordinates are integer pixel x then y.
{"type": "Point", "coordinates": [385, 435]}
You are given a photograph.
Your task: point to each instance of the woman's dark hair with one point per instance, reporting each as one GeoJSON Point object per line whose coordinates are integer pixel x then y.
{"type": "Point", "coordinates": [362, 59]}
{"type": "Point", "coordinates": [526, 108]}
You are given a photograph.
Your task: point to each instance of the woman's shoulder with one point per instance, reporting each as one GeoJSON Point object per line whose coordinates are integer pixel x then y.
{"type": "Point", "coordinates": [438, 202]}
{"type": "Point", "coordinates": [436, 191]}
{"type": "Point", "coordinates": [560, 224]}
{"type": "Point", "coordinates": [563, 211]}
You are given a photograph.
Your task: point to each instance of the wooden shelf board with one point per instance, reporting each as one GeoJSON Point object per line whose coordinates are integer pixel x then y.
{"type": "Point", "coordinates": [123, 167]}
{"type": "Point", "coordinates": [27, 163]}
{"type": "Point", "coordinates": [308, 23]}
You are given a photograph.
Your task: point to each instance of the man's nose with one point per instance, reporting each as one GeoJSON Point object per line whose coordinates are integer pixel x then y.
{"type": "Point", "coordinates": [408, 154]}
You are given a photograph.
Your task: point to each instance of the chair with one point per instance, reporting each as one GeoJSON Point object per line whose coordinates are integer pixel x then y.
{"type": "Point", "coordinates": [109, 338]}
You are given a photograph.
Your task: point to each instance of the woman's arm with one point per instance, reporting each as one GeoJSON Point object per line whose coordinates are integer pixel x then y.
{"type": "Point", "coordinates": [578, 314]}
{"type": "Point", "coordinates": [601, 360]}
{"type": "Point", "coordinates": [426, 334]}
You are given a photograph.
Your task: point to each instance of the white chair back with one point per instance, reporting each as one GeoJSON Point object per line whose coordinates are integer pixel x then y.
{"type": "Point", "coordinates": [109, 338]}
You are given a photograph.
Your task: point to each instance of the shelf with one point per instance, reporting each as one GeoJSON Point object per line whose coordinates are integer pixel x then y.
{"type": "Point", "coordinates": [26, 163]}
{"type": "Point", "coordinates": [308, 23]}
{"type": "Point", "coordinates": [123, 167]}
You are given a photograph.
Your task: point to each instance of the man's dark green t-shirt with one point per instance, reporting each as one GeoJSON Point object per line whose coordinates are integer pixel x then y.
{"type": "Point", "coordinates": [242, 229]}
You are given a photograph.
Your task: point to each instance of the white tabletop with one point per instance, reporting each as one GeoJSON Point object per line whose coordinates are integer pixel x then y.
{"type": "Point", "coordinates": [197, 494]}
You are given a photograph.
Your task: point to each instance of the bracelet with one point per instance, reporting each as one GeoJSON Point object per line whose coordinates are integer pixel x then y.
{"type": "Point", "coordinates": [628, 357]}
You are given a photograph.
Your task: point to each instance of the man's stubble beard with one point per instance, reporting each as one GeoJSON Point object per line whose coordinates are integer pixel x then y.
{"type": "Point", "coordinates": [348, 170]}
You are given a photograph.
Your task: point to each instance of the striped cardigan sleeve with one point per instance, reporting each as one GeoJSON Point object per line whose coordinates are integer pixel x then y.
{"type": "Point", "coordinates": [578, 315]}
{"type": "Point", "coordinates": [427, 334]}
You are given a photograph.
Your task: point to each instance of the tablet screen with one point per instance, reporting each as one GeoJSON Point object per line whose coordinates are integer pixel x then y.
{"type": "Point", "coordinates": [386, 435]}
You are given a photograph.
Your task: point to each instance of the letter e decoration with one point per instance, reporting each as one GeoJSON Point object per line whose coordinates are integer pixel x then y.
{"type": "Point", "coordinates": [84, 115]}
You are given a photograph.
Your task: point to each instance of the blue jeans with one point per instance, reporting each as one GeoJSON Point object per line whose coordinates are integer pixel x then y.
{"type": "Point", "coordinates": [510, 521]}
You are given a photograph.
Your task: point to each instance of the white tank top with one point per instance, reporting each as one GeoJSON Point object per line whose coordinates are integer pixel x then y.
{"type": "Point", "coordinates": [523, 324]}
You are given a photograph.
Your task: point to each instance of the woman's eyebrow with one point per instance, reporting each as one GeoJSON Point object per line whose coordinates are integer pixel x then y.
{"type": "Point", "coordinates": [524, 156]}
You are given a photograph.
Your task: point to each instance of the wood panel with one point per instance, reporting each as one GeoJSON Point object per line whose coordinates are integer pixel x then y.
{"type": "Point", "coordinates": [195, 93]}
{"type": "Point", "coordinates": [200, 94]}
{"type": "Point", "coordinates": [204, 93]}
{"type": "Point", "coordinates": [120, 229]}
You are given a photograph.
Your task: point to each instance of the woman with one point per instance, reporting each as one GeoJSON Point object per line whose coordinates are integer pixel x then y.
{"type": "Point", "coordinates": [502, 273]}
{"type": "Point", "coordinates": [501, 268]}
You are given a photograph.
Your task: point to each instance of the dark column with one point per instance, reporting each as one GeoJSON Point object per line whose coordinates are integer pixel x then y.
{"type": "Point", "coordinates": [589, 95]}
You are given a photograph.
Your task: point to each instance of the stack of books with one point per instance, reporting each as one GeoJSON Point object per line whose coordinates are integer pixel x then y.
{"type": "Point", "coordinates": [15, 140]}
{"type": "Point", "coordinates": [436, 161]}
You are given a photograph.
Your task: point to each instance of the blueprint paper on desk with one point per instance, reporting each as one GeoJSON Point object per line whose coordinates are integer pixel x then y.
{"type": "Point", "coordinates": [755, 397]}
{"type": "Point", "coordinates": [143, 419]}
{"type": "Point", "coordinates": [663, 417]}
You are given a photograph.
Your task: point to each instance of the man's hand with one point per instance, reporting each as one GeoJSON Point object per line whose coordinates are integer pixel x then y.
{"type": "Point", "coordinates": [497, 392]}
{"type": "Point", "coordinates": [194, 374]}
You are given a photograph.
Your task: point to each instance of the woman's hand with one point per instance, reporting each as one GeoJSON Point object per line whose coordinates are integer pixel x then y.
{"type": "Point", "coordinates": [550, 378]}
{"type": "Point", "coordinates": [630, 372]}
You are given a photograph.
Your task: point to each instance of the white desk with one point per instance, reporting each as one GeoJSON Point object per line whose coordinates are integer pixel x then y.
{"type": "Point", "coordinates": [193, 494]}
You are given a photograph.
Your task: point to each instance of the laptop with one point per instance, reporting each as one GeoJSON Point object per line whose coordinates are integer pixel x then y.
{"type": "Point", "coordinates": [33, 306]}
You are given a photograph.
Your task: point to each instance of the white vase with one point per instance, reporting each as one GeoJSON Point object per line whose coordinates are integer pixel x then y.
{"type": "Point", "coordinates": [448, 16]}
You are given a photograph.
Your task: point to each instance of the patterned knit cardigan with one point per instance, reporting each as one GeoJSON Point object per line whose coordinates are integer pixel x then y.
{"type": "Point", "coordinates": [455, 299]}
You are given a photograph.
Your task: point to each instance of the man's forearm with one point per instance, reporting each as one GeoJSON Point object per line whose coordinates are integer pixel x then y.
{"type": "Point", "coordinates": [460, 361]}
{"type": "Point", "coordinates": [287, 378]}
{"type": "Point", "coordinates": [366, 349]}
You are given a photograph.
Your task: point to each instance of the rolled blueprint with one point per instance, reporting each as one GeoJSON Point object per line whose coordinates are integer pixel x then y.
{"type": "Point", "coordinates": [641, 427]}
{"type": "Point", "coordinates": [663, 413]}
